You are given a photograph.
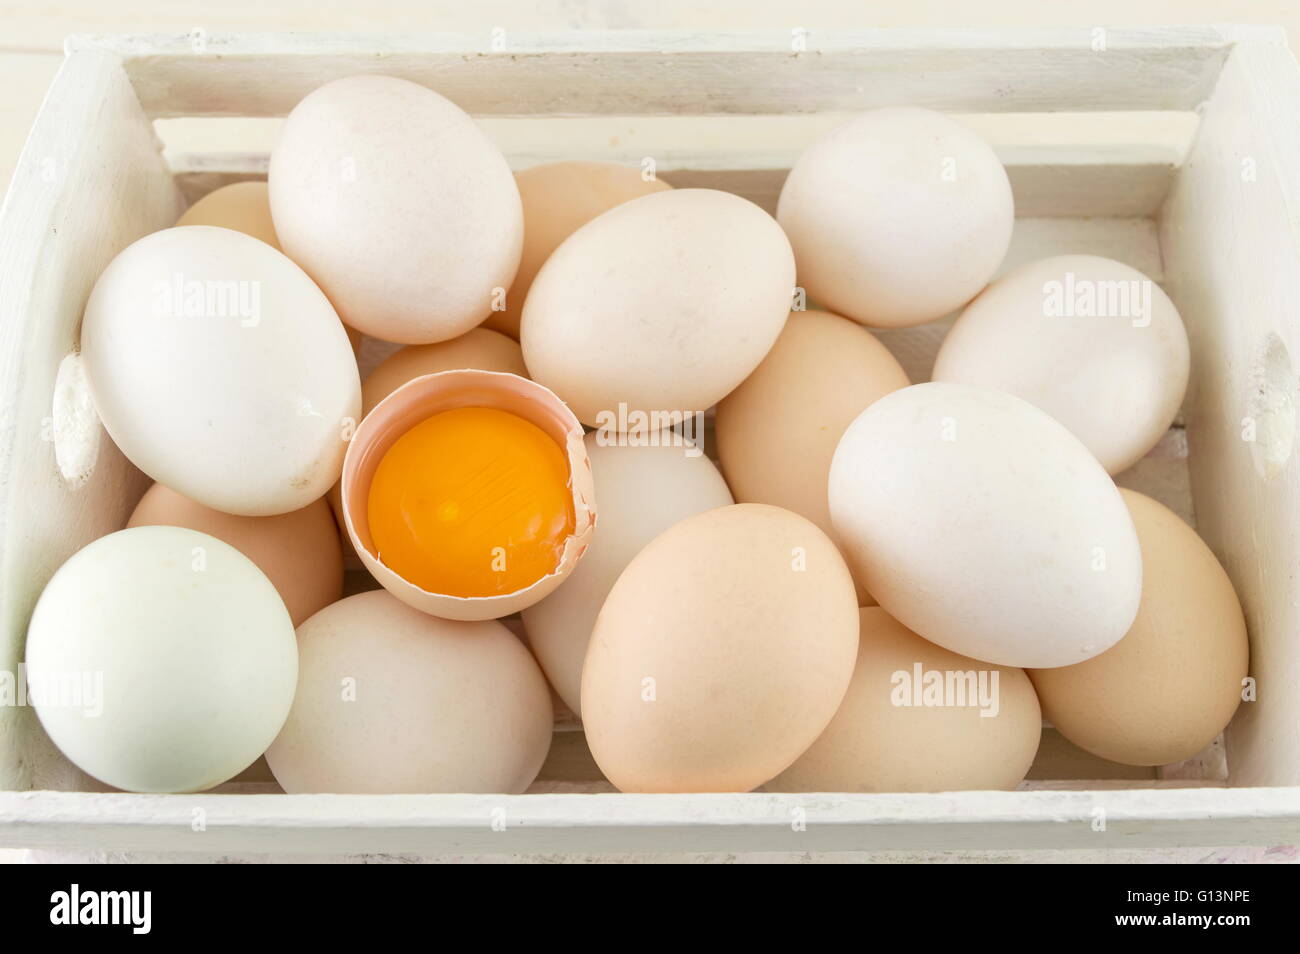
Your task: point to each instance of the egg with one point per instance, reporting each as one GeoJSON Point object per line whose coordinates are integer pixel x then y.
{"type": "Point", "coordinates": [558, 198]}
{"type": "Point", "coordinates": [392, 701]}
{"type": "Point", "coordinates": [661, 305]}
{"type": "Point", "coordinates": [777, 432]}
{"type": "Point", "coordinates": [468, 495]}
{"type": "Point", "coordinates": [398, 205]}
{"type": "Point", "coordinates": [298, 551]}
{"type": "Point", "coordinates": [167, 657]}
{"type": "Point", "coordinates": [478, 348]}
{"type": "Point", "coordinates": [1171, 685]}
{"type": "Point", "coordinates": [242, 206]}
{"type": "Point", "coordinates": [720, 654]}
{"type": "Point", "coordinates": [220, 370]}
{"type": "Point", "coordinates": [918, 718]}
{"type": "Point", "coordinates": [643, 490]}
{"type": "Point", "coordinates": [985, 526]}
{"type": "Point", "coordinates": [897, 216]}
{"type": "Point", "coordinates": [1091, 341]}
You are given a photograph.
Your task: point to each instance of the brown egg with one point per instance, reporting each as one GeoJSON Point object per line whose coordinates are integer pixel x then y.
{"type": "Point", "coordinates": [479, 348]}
{"type": "Point", "coordinates": [720, 654]}
{"type": "Point", "coordinates": [1164, 691]}
{"type": "Point", "coordinates": [299, 551]}
{"type": "Point", "coordinates": [559, 197]}
{"type": "Point", "coordinates": [953, 723]}
{"type": "Point", "coordinates": [777, 432]}
{"type": "Point", "coordinates": [242, 206]}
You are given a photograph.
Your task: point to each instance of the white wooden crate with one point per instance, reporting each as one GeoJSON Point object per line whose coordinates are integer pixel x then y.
{"type": "Point", "coordinates": [1218, 226]}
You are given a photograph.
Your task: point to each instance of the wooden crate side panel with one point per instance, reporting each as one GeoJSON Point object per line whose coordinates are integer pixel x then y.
{"type": "Point", "coordinates": [528, 824]}
{"type": "Point", "coordinates": [661, 73]}
{"type": "Point", "coordinates": [89, 182]}
{"type": "Point", "coordinates": [1231, 239]}
{"type": "Point", "coordinates": [1046, 181]}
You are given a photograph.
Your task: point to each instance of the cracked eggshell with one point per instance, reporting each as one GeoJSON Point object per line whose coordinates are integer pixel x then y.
{"type": "Point", "coordinates": [220, 370]}
{"type": "Point", "coordinates": [985, 526]}
{"type": "Point", "coordinates": [420, 399]}
{"type": "Point", "coordinates": [399, 205]}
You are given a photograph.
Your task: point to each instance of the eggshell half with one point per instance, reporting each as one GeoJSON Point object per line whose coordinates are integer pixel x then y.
{"type": "Point", "coordinates": [777, 432]}
{"type": "Point", "coordinates": [663, 304]}
{"type": "Point", "coordinates": [1164, 691]}
{"type": "Point", "coordinates": [954, 723]}
{"type": "Point", "coordinates": [420, 399]}
{"type": "Point", "coordinates": [393, 701]}
{"type": "Point", "coordinates": [1045, 332]}
{"type": "Point", "coordinates": [398, 205]}
{"type": "Point", "coordinates": [721, 653]}
{"type": "Point", "coordinates": [479, 348]}
{"type": "Point", "coordinates": [985, 526]}
{"type": "Point", "coordinates": [643, 491]}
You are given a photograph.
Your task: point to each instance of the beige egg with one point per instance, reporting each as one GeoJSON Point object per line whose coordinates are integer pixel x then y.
{"type": "Point", "coordinates": [1164, 691]}
{"type": "Point", "coordinates": [777, 432]}
{"type": "Point", "coordinates": [661, 305]}
{"type": "Point", "coordinates": [479, 348]}
{"type": "Point", "coordinates": [398, 205]}
{"type": "Point", "coordinates": [242, 206]}
{"type": "Point", "coordinates": [721, 653]}
{"type": "Point", "coordinates": [1091, 341]}
{"type": "Point", "coordinates": [299, 551]}
{"type": "Point", "coordinates": [643, 490]}
{"type": "Point", "coordinates": [393, 701]}
{"type": "Point", "coordinates": [918, 718]}
{"type": "Point", "coordinates": [559, 198]}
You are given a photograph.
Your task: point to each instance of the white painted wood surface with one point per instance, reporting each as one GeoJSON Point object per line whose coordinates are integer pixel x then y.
{"type": "Point", "coordinates": [636, 72]}
{"type": "Point", "coordinates": [114, 168]}
{"type": "Point", "coordinates": [1231, 240]}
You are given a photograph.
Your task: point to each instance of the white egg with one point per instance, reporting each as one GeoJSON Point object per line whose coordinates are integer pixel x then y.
{"type": "Point", "coordinates": [643, 490]}
{"type": "Point", "coordinates": [897, 216]}
{"type": "Point", "coordinates": [1091, 341]}
{"type": "Point", "coordinates": [985, 526]}
{"type": "Point", "coordinates": [391, 700]}
{"type": "Point", "coordinates": [221, 370]}
{"type": "Point", "coordinates": [662, 304]}
{"type": "Point", "coordinates": [167, 658]}
{"type": "Point", "coordinates": [399, 206]}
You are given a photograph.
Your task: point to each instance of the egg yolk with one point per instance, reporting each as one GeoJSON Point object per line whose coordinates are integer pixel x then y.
{"type": "Point", "coordinates": [472, 502]}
